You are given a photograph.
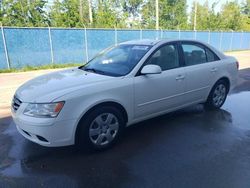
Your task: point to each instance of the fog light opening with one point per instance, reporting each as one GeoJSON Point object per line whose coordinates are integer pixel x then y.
{"type": "Point", "coordinates": [42, 138]}
{"type": "Point", "coordinates": [26, 133]}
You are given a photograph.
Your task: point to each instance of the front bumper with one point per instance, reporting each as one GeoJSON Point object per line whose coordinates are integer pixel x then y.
{"type": "Point", "coordinates": [49, 132]}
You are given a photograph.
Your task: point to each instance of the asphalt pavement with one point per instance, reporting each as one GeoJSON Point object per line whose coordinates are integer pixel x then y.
{"type": "Point", "coordinates": [188, 148]}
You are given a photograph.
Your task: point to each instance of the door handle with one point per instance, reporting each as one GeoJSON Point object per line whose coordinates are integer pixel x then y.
{"type": "Point", "coordinates": [180, 77]}
{"type": "Point", "coordinates": [214, 69]}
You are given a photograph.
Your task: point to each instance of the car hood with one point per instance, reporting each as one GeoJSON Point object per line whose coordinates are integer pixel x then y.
{"type": "Point", "coordinates": [48, 87]}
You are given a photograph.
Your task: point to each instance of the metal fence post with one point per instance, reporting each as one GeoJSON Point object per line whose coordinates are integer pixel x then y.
{"type": "Point", "coordinates": [157, 34]}
{"type": "Point", "coordinates": [51, 46]}
{"type": "Point", "coordinates": [249, 45]}
{"type": "Point", "coordinates": [161, 33]}
{"type": "Point", "coordinates": [195, 32]}
{"type": "Point", "coordinates": [241, 39]}
{"type": "Point", "coordinates": [5, 48]}
{"type": "Point", "coordinates": [86, 43]}
{"type": "Point", "coordinates": [221, 33]}
{"type": "Point", "coordinates": [208, 38]}
{"type": "Point", "coordinates": [115, 36]}
{"type": "Point", "coordinates": [179, 34]}
{"type": "Point", "coordinates": [140, 33]}
{"type": "Point", "coordinates": [231, 42]}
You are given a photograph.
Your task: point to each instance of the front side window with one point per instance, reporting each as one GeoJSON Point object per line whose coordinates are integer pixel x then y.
{"type": "Point", "coordinates": [166, 57]}
{"type": "Point", "coordinates": [193, 54]}
{"type": "Point", "coordinates": [118, 60]}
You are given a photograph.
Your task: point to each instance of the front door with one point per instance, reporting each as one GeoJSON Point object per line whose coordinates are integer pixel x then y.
{"type": "Point", "coordinates": [157, 93]}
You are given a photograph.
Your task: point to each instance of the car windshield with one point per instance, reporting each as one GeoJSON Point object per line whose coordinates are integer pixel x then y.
{"type": "Point", "coordinates": [117, 61]}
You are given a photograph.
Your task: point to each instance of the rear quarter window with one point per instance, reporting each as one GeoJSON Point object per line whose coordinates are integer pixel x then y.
{"type": "Point", "coordinates": [211, 56]}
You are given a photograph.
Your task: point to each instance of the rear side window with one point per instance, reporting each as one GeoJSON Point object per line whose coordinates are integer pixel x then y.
{"type": "Point", "coordinates": [211, 56]}
{"type": "Point", "coordinates": [194, 54]}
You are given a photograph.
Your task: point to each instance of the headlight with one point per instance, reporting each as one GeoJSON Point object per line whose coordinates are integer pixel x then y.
{"type": "Point", "coordinates": [43, 110]}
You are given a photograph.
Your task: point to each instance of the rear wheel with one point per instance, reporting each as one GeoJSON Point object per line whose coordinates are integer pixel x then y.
{"type": "Point", "coordinates": [101, 128]}
{"type": "Point", "coordinates": [217, 95]}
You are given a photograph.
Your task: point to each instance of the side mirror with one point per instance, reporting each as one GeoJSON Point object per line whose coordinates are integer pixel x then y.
{"type": "Point", "coordinates": [151, 69]}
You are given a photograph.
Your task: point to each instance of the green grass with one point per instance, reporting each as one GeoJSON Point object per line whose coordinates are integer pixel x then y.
{"type": "Point", "coordinates": [43, 67]}
{"type": "Point", "coordinates": [236, 51]}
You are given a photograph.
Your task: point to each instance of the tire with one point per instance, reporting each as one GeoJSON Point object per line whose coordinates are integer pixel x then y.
{"type": "Point", "coordinates": [217, 95]}
{"type": "Point", "coordinates": [101, 128]}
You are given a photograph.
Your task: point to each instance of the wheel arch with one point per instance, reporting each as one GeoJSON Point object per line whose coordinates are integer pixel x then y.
{"type": "Point", "coordinates": [224, 78]}
{"type": "Point", "coordinates": [227, 81]}
{"type": "Point", "coordinates": [208, 103]}
{"type": "Point", "coordinates": [101, 104]}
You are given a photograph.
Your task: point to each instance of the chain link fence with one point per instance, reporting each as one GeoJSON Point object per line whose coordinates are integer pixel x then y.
{"type": "Point", "coordinates": [20, 47]}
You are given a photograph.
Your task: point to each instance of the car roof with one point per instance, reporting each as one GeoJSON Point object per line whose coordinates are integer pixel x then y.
{"type": "Point", "coordinates": [153, 42]}
{"type": "Point", "coordinates": [149, 42]}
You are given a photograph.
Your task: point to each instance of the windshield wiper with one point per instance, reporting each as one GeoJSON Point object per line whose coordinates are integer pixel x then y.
{"type": "Point", "coordinates": [90, 70]}
{"type": "Point", "coordinates": [94, 70]}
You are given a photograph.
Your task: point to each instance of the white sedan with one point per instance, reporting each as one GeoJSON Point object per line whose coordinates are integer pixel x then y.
{"type": "Point", "coordinates": [125, 84]}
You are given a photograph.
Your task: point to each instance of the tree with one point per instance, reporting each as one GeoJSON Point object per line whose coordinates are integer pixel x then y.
{"type": "Point", "coordinates": [231, 16]}
{"type": "Point", "coordinates": [246, 8]}
{"type": "Point", "coordinates": [172, 14]}
{"type": "Point", "coordinates": [207, 19]}
{"type": "Point", "coordinates": [37, 14]}
{"type": "Point", "coordinates": [131, 12]}
{"type": "Point", "coordinates": [67, 13]}
{"type": "Point", "coordinates": [24, 13]}
{"type": "Point", "coordinates": [148, 15]}
{"type": "Point", "coordinates": [202, 16]}
{"type": "Point", "coordinates": [131, 6]}
{"type": "Point", "coordinates": [124, 13]}
{"type": "Point", "coordinates": [214, 19]}
{"type": "Point", "coordinates": [246, 15]}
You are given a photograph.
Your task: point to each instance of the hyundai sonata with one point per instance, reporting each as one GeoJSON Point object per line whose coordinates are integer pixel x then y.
{"type": "Point", "coordinates": [122, 85]}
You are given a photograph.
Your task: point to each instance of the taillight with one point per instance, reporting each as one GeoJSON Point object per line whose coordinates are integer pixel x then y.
{"type": "Point", "coordinates": [237, 64]}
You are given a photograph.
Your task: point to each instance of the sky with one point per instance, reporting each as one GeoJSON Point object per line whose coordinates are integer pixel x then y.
{"type": "Point", "coordinates": [218, 6]}
{"type": "Point", "coordinates": [190, 2]}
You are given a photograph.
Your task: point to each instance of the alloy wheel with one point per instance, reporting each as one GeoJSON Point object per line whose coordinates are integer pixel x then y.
{"type": "Point", "coordinates": [103, 129]}
{"type": "Point", "coordinates": [219, 94]}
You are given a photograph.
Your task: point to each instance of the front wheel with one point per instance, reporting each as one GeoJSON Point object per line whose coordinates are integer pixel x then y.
{"type": "Point", "coordinates": [217, 95]}
{"type": "Point", "coordinates": [101, 128]}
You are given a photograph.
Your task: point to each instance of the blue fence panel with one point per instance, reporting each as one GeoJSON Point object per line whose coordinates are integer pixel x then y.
{"type": "Point", "coordinates": [31, 46]}
{"type": "Point", "coordinates": [27, 46]}
{"type": "Point", "coordinates": [202, 36]}
{"type": "Point", "coordinates": [99, 40]}
{"type": "Point", "coordinates": [3, 61]}
{"type": "Point", "coordinates": [126, 35]}
{"type": "Point", "coordinates": [226, 41]}
{"type": "Point", "coordinates": [150, 34]}
{"type": "Point", "coordinates": [236, 40]}
{"type": "Point", "coordinates": [68, 45]}
{"type": "Point", "coordinates": [187, 35]}
{"type": "Point", "coordinates": [215, 39]}
{"type": "Point", "coordinates": [246, 41]}
{"type": "Point", "coordinates": [170, 34]}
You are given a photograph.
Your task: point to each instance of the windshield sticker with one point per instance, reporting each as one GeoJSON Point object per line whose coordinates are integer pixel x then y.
{"type": "Point", "coordinates": [140, 48]}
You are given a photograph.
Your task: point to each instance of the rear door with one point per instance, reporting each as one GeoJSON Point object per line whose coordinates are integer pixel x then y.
{"type": "Point", "coordinates": [201, 67]}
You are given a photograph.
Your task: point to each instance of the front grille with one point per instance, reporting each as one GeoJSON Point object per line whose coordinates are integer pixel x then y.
{"type": "Point", "coordinates": [16, 103]}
